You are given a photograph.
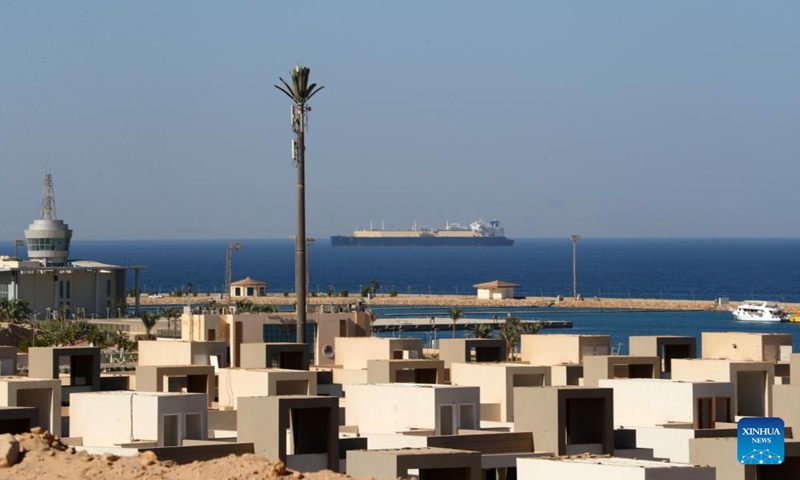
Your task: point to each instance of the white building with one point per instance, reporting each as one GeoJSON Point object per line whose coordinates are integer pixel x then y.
{"type": "Point", "coordinates": [122, 418]}
{"type": "Point", "coordinates": [48, 280]}
{"type": "Point", "coordinates": [496, 290]}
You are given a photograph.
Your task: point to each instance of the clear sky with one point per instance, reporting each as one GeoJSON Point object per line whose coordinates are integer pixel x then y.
{"type": "Point", "coordinates": [159, 120]}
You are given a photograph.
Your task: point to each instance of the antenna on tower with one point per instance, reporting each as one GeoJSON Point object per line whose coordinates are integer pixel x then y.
{"type": "Point", "coordinates": [48, 199]}
{"type": "Point", "coordinates": [232, 246]}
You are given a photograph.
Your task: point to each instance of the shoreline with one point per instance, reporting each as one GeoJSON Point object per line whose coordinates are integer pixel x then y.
{"type": "Point", "coordinates": [470, 301]}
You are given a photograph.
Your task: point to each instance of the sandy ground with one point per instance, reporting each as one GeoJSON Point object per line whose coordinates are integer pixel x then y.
{"type": "Point", "coordinates": [472, 301]}
{"type": "Point", "coordinates": [45, 457]}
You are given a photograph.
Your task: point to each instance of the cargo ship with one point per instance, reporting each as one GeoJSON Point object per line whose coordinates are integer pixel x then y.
{"type": "Point", "coordinates": [478, 234]}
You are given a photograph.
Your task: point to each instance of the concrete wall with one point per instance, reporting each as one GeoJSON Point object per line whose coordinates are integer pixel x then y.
{"type": "Point", "coordinates": [794, 370]}
{"type": "Point", "coordinates": [89, 289]}
{"type": "Point", "coordinates": [405, 371]}
{"type": "Point", "coordinates": [293, 356]}
{"type": "Point", "coordinates": [556, 349]}
{"type": "Point", "coordinates": [353, 353]}
{"type": "Point", "coordinates": [8, 360]}
{"type": "Point", "coordinates": [43, 394]}
{"type": "Point", "coordinates": [170, 353]}
{"type": "Point", "coordinates": [566, 420]}
{"type": "Point", "coordinates": [721, 454]}
{"type": "Point", "coordinates": [640, 402]}
{"type": "Point", "coordinates": [752, 398]}
{"type": "Point", "coordinates": [785, 404]}
{"type": "Point", "coordinates": [250, 382]}
{"type": "Point", "coordinates": [156, 378]}
{"type": "Point", "coordinates": [412, 406]}
{"type": "Point", "coordinates": [496, 382]}
{"type": "Point", "coordinates": [610, 469]}
{"type": "Point", "coordinates": [745, 346]}
{"type": "Point", "coordinates": [457, 350]}
{"type": "Point", "coordinates": [596, 367]}
{"type": "Point", "coordinates": [114, 418]}
{"type": "Point", "coordinates": [312, 442]}
{"type": "Point", "coordinates": [665, 347]}
{"type": "Point", "coordinates": [432, 463]}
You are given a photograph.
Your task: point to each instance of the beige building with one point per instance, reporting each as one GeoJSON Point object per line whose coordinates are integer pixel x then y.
{"type": "Point", "coordinates": [256, 382]}
{"type": "Point", "coordinates": [559, 349]}
{"type": "Point", "coordinates": [302, 431]}
{"type": "Point", "coordinates": [747, 347]}
{"type": "Point", "coordinates": [405, 371]}
{"type": "Point", "coordinates": [464, 350]}
{"type": "Point", "coordinates": [42, 394]}
{"type": "Point", "coordinates": [566, 420]}
{"type": "Point", "coordinates": [247, 288]}
{"type": "Point", "coordinates": [651, 402]}
{"type": "Point", "coordinates": [92, 288]}
{"type": "Point", "coordinates": [597, 367]}
{"type": "Point", "coordinates": [496, 382]}
{"type": "Point", "coordinates": [292, 356]}
{"type": "Point", "coordinates": [784, 397]}
{"type": "Point", "coordinates": [354, 353]}
{"type": "Point", "coordinates": [120, 419]}
{"type": "Point", "coordinates": [169, 353]}
{"type": "Point", "coordinates": [427, 463]}
{"type": "Point", "coordinates": [605, 468]}
{"type": "Point", "coordinates": [83, 363]}
{"type": "Point", "coordinates": [236, 329]}
{"type": "Point", "coordinates": [666, 347]}
{"type": "Point", "coordinates": [721, 453]}
{"type": "Point", "coordinates": [663, 415]}
{"type": "Point", "coordinates": [752, 381]}
{"type": "Point", "coordinates": [178, 378]}
{"type": "Point", "coordinates": [496, 290]}
{"type": "Point", "coordinates": [438, 409]}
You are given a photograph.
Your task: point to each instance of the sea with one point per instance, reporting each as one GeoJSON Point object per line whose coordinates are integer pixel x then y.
{"type": "Point", "coordinates": [700, 269]}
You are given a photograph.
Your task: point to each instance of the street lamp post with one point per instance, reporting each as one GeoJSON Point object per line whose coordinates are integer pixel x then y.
{"type": "Point", "coordinates": [575, 239]}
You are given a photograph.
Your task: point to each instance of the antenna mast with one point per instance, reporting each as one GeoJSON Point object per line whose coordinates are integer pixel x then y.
{"type": "Point", "coordinates": [48, 199]}
{"type": "Point", "coordinates": [229, 265]}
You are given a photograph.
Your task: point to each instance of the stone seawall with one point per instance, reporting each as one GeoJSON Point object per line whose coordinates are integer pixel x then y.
{"type": "Point", "coordinates": [470, 301]}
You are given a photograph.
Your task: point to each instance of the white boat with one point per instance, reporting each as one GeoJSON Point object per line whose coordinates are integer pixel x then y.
{"type": "Point", "coordinates": [758, 311]}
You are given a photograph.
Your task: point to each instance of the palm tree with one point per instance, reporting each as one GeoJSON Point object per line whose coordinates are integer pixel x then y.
{"type": "Point", "coordinates": [300, 92]}
{"type": "Point", "coordinates": [482, 330]}
{"type": "Point", "coordinates": [530, 328]}
{"type": "Point", "coordinates": [455, 314]}
{"type": "Point", "coordinates": [16, 310]}
{"type": "Point", "coordinates": [509, 333]}
{"type": "Point", "coordinates": [172, 314]}
{"type": "Point", "coordinates": [375, 286]}
{"type": "Point", "coordinates": [244, 306]}
{"type": "Point", "coordinates": [149, 320]}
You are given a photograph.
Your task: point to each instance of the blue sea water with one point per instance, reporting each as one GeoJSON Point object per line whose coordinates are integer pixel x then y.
{"type": "Point", "coordinates": [619, 324]}
{"type": "Point", "coordinates": [767, 269]}
{"type": "Point", "coordinates": [651, 268]}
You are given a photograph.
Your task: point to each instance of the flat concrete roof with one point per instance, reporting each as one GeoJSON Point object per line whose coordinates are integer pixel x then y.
{"type": "Point", "coordinates": [619, 462]}
{"type": "Point", "coordinates": [119, 393]}
{"type": "Point", "coordinates": [418, 385]}
{"type": "Point", "coordinates": [418, 451]}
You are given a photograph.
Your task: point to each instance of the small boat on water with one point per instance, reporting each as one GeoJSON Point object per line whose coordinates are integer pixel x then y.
{"type": "Point", "coordinates": [758, 311]}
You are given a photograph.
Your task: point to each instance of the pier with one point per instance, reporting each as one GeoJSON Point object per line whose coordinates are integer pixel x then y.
{"type": "Point", "coordinates": [443, 324]}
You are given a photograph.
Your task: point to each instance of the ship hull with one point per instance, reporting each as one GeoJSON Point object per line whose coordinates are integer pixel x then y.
{"type": "Point", "coordinates": [430, 241]}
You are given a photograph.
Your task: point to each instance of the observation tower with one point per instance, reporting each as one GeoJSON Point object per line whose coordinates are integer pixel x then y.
{"type": "Point", "coordinates": [47, 237]}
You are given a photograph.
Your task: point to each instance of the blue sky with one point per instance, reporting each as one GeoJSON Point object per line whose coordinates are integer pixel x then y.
{"type": "Point", "coordinates": [159, 120]}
